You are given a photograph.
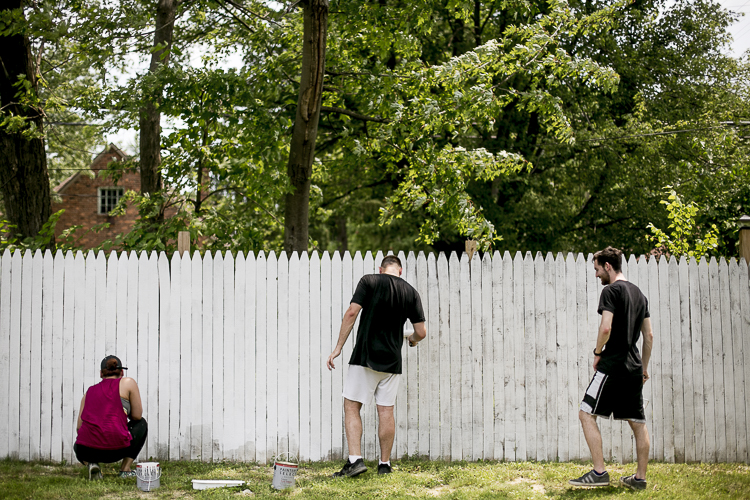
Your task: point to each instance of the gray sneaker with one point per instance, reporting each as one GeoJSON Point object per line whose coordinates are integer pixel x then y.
{"type": "Point", "coordinates": [633, 483]}
{"type": "Point", "coordinates": [591, 479]}
{"type": "Point", "coordinates": [95, 472]}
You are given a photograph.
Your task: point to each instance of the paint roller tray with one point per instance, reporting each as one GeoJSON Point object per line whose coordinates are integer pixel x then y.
{"type": "Point", "coordinates": [204, 484]}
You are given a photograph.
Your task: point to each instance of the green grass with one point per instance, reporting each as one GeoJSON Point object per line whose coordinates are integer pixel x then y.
{"type": "Point", "coordinates": [411, 479]}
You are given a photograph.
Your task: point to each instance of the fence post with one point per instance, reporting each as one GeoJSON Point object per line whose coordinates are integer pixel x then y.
{"type": "Point", "coordinates": [744, 243]}
{"type": "Point", "coordinates": [183, 242]}
{"type": "Point", "coordinates": [470, 247]}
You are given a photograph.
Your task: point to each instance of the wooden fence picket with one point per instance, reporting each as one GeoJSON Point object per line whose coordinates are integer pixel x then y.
{"type": "Point", "coordinates": [283, 340]}
{"type": "Point", "coordinates": [735, 320]}
{"type": "Point", "coordinates": [335, 312]}
{"type": "Point", "coordinates": [487, 369]}
{"type": "Point", "coordinates": [498, 361]}
{"type": "Point", "coordinates": [529, 436]}
{"type": "Point", "coordinates": [707, 361]}
{"type": "Point", "coordinates": [217, 363]}
{"type": "Point", "coordinates": [326, 346]}
{"type": "Point", "coordinates": [24, 355]}
{"type": "Point", "coordinates": [456, 357]}
{"type": "Point", "coordinates": [432, 297]}
{"type": "Point", "coordinates": [5, 355]}
{"type": "Point", "coordinates": [657, 440]}
{"type": "Point", "coordinates": [306, 357]}
{"type": "Point", "coordinates": [293, 356]}
{"type": "Point", "coordinates": [569, 339]}
{"type": "Point", "coordinates": [47, 357]}
{"type": "Point", "coordinates": [421, 353]}
{"type": "Point", "coordinates": [744, 293]}
{"type": "Point", "coordinates": [696, 345]}
{"type": "Point", "coordinates": [686, 370]}
{"type": "Point", "coordinates": [318, 355]}
{"type": "Point", "coordinates": [444, 340]}
{"type": "Point", "coordinates": [231, 426]}
{"type": "Point", "coordinates": [675, 350]}
{"type": "Point", "coordinates": [185, 322]}
{"type": "Point", "coordinates": [519, 379]}
{"type": "Point", "coordinates": [717, 356]}
{"type": "Point", "coordinates": [249, 362]}
{"type": "Point", "coordinates": [727, 366]}
{"type": "Point", "coordinates": [476, 337]}
{"type": "Point", "coordinates": [196, 358]}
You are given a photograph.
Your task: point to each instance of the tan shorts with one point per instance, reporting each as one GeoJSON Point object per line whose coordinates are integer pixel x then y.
{"type": "Point", "coordinates": [363, 383]}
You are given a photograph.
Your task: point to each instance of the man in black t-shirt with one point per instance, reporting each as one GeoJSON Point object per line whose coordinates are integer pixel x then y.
{"type": "Point", "coordinates": [619, 370]}
{"type": "Point", "coordinates": [386, 302]}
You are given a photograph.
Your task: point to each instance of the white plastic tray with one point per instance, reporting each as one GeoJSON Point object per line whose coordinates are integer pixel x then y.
{"type": "Point", "coordinates": [204, 484]}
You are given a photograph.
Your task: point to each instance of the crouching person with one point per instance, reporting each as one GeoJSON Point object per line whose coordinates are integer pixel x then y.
{"type": "Point", "coordinates": [111, 426]}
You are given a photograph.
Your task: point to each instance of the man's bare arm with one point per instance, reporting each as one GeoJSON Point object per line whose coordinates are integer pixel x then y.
{"type": "Point", "coordinates": [420, 332]}
{"type": "Point", "coordinates": [648, 344]}
{"type": "Point", "coordinates": [350, 317]}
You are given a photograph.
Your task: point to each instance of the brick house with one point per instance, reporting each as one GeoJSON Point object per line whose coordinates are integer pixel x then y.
{"type": "Point", "coordinates": [88, 200]}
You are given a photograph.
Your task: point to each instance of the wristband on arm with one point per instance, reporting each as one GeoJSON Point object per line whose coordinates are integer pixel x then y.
{"type": "Point", "coordinates": [597, 353]}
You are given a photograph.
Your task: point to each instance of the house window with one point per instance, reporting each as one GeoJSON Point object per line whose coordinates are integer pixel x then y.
{"type": "Point", "coordinates": [108, 198]}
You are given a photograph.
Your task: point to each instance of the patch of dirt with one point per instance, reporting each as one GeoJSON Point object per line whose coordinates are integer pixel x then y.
{"type": "Point", "coordinates": [145, 494]}
{"type": "Point", "coordinates": [440, 490]}
{"type": "Point", "coordinates": [519, 480]}
{"type": "Point", "coordinates": [538, 488]}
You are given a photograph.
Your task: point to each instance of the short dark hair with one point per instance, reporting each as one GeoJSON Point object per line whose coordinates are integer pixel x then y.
{"type": "Point", "coordinates": [611, 255]}
{"type": "Point", "coordinates": [391, 260]}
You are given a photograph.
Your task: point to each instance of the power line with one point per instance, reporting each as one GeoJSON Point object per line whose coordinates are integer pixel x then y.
{"type": "Point", "coordinates": [669, 132]}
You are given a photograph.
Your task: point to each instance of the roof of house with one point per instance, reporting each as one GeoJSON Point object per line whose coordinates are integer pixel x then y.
{"type": "Point", "coordinates": [60, 188]}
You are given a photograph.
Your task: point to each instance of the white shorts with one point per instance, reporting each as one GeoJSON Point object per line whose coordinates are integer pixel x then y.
{"type": "Point", "coordinates": [363, 383]}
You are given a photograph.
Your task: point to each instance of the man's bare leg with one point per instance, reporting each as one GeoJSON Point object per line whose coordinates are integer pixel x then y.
{"type": "Point", "coordinates": [642, 446]}
{"type": "Point", "coordinates": [126, 463]}
{"type": "Point", "coordinates": [386, 431]}
{"type": "Point", "coordinates": [353, 425]}
{"type": "Point", "coordinates": [593, 439]}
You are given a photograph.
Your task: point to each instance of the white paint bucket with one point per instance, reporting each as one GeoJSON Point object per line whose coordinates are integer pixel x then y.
{"type": "Point", "coordinates": [284, 473]}
{"type": "Point", "coordinates": [147, 476]}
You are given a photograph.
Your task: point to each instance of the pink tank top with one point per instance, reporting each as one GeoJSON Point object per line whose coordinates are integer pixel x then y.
{"type": "Point", "coordinates": [105, 425]}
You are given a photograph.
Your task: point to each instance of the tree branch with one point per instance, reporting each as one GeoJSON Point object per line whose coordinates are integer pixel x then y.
{"type": "Point", "coordinates": [342, 111]}
{"type": "Point", "coordinates": [337, 198]}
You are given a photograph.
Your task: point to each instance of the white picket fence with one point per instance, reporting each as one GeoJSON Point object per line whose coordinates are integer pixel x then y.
{"type": "Point", "coordinates": [229, 353]}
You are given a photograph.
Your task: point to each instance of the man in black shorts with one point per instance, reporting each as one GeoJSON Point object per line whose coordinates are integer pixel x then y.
{"type": "Point", "coordinates": [619, 370]}
{"type": "Point", "coordinates": [387, 302]}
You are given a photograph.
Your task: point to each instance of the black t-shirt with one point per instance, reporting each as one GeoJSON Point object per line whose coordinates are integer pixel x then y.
{"type": "Point", "coordinates": [387, 302]}
{"type": "Point", "coordinates": [629, 308]}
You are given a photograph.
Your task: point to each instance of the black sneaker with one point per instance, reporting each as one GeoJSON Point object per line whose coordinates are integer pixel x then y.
{"type": "Point", "coordinates": [95, 472]}
{"type": "Point", "coordinates": [633, 483]}
{"type": "Point", "coordinates": [352, 469]}
{"type": "Point", "coordinates": [384, 469]}
{"type": "Point", "coordinates": [591, 479]}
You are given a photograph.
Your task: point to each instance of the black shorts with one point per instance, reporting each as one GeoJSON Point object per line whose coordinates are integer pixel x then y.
{"type": "Point", "coordinates": [619, 396]}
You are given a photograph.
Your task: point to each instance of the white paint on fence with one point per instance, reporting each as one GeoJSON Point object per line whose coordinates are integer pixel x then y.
{"type": "Point", "coordinates": [230, 353]}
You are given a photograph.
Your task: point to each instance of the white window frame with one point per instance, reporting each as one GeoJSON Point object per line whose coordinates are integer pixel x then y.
{"type": "Point", "coordinates": [100, 194]}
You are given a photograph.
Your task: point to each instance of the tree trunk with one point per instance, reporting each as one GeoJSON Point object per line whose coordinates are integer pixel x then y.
{"type": "Point", "coordinates": [302, 149]}
{"type": "Point", "coordinates": [150, 117]}
{"type": "Point", "coordinates": [24, 180]}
